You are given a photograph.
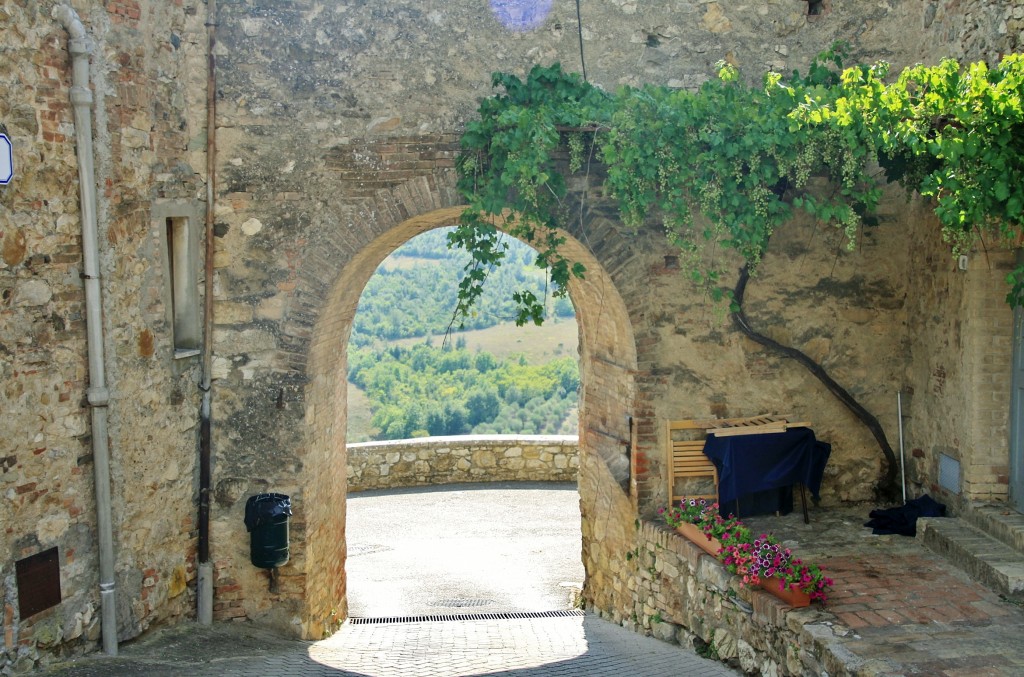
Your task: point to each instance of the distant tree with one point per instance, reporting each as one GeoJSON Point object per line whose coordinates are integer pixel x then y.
{"type": "Point", "coordinates": [485, 362]}
{"type": "Point", "coordinates": [418, 300]}
{"type": "Point", "coordinates": [454, 361]}
{"type": "Point", "coordinates": [434, 391]}
{"type": "Point", "coordinates": [425, 390]}
{"type": "Point", "coordinates": [563, 308]}
{"type": "Point", "coordinates": [482, 405]}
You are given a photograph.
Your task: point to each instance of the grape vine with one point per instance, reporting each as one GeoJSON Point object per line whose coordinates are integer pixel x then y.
{"type": "Point", "coordinates": [741, 158]}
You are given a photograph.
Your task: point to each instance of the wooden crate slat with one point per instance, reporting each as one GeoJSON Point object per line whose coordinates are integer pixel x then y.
{"type": "Point", "coordinates": [692, 467]}
{"type": "Point", "coordinates": [749, 430]}
{"type": "Point", "coordinates": [690, 463]}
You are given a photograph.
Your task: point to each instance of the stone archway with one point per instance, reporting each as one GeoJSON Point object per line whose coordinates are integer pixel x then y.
{"type": "Point", "coordinates": [607, 365]}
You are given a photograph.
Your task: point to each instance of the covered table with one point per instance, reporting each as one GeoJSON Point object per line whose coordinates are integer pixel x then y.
{"type": "Point", "coordinates": [752, 463]}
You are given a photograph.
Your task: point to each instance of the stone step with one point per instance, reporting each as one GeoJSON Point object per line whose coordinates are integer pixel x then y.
{"type": "Point", "coordinates": [987, 559]}
{"type": "Point", "coordinates": [1000, 522]}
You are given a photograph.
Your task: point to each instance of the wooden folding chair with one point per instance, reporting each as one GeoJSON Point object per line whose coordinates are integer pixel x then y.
{"type": "Point", "coordinates": [687, 465]}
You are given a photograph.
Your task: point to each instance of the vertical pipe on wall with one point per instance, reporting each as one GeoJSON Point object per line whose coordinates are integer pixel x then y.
{"type": "Point", "coordinates": [903, 463]}
{"type": "Point", "coordinates": [98, 395]}
{"type": "Point", "coordinates": [204, 586]}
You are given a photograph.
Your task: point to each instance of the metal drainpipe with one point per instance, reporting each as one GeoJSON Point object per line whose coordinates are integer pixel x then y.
{"type": "Point", "coordinates": [98, 395]}
{"type": "Point", "coordinates": [204, 586]}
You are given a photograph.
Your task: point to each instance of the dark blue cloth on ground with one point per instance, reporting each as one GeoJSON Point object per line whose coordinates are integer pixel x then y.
{"type": "Point", "coordinates": [749, 463]}
{"type": "Point", "coordinates": [903, 520]}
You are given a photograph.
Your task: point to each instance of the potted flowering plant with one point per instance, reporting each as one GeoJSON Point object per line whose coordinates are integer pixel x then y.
{"type": "Point", "coordinates": [700, 521]}
{"type": "Point", "coordinates": [766, 563]}
{"type": "Point", "coordinates": [760, 562]}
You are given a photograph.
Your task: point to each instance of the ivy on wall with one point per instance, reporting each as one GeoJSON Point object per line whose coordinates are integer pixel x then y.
{"type": "Point", "coordinates": [724, 167]}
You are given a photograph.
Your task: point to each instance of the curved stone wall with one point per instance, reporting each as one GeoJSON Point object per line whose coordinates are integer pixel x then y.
{"type": "Point", "coordinates": [462, 458]}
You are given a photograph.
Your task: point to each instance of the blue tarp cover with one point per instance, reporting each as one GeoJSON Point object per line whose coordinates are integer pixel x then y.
{"type": "Point", "coordinates": [749, 463]}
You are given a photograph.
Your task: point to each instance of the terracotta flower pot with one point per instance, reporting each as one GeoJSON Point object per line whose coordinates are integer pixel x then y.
{"type": "Point", "coordinates": [791, 596]}
{"type": "Point", "coordinates": [692, 532]}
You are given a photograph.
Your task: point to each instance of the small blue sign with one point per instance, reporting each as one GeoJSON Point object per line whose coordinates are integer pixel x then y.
{"type": "Point", "coordinates": [6, 160]}
{"type": "Point", "coordinates": [521, 15]}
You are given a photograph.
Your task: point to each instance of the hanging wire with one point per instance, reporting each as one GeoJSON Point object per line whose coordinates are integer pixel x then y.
{"type": "Point", "coordinates": [579, 31]}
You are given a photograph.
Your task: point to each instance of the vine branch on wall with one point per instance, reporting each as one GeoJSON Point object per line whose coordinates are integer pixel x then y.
{"type": "Point", "coordinates": [887, 487]}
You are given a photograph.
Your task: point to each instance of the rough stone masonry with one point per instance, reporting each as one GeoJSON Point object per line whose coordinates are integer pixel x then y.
{"type": "Point", "coordinates": [336, 134]}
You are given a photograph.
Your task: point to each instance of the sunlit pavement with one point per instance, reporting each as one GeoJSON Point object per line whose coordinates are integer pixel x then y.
{"type": "Point", "coordinates": [461, 548]}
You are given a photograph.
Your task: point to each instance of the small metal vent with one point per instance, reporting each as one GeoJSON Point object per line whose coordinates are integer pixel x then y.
{"type": "Point", "coordinates": [507, 616]}
{"type": "Point", "coordinates": [459, 603]}
{"type": "Point", "coordinates": [949, 473]}
{"type": "Point", "coordinates": [38, 579]}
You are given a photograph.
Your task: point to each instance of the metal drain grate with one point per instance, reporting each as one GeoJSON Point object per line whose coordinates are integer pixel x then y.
{"type": "Point", "coordinates": [439, 618]}
{"type": "Point", "coordinates": [459, 603]}
{"type": "Point", "coordinates": [356, 550]}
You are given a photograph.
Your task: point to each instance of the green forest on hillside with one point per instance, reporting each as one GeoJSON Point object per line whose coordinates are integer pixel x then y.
{"type": "Point", "coordinates": [414, 291]}
{"type": "Point", "coordinates": [426, 389]}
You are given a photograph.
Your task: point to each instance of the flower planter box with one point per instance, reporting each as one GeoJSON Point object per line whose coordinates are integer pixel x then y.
{"type": "Point", "coordinates": [791, 596]}
{"type": "Point", "coordinates": [745, 555]}
{"type": "Point", "coordinates": [692, 532]}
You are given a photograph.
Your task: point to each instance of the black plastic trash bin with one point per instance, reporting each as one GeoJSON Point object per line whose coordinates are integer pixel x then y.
{"type": "Point", "coordinates": [266, 520]}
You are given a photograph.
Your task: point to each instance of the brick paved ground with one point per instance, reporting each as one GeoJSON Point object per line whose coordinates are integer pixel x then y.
{"type": "Point", "coordinates": [901, 609]}
{"type": "Point", "coordinates": [880, 592]}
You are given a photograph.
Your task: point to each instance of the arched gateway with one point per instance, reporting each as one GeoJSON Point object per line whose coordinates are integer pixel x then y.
{"type": "Point", "coordinates": [312, 401]}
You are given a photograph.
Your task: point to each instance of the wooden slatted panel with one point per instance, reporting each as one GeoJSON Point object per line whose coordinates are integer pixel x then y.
{"type": "Point", "coordinates": [711, 423]}
{"type": "Point", "coordinates": [687, 462]}
{"type": "Point", "coordinates": [749, 430]}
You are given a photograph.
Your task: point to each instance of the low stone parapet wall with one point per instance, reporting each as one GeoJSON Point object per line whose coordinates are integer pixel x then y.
{"type": "Point", "coordinates": [463, 458]}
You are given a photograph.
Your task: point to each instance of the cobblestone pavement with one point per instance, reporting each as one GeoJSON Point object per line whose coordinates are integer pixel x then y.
{"type": "Point", "coordinates": [489, 547]}
{"type": "Point", "coordinates": [536, 647]}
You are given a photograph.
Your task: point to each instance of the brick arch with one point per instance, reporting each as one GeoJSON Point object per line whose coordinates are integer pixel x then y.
{"type": "Point", "coordinates": [607, 361]}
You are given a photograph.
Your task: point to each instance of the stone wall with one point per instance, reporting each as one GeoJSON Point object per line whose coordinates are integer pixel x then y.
{"type": "Point", "coordinates": [147, 67]}
{"type": "Point", "coordinates": [809, 293]}
{"type": "Point", "coordinates": [680, 594]}
{"type": "Point", "coordinates": [463, 458]}
{"type": "Point", "coordinates": [309, 209]}
{"type": "Point", "coordinates": [645, 577]}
